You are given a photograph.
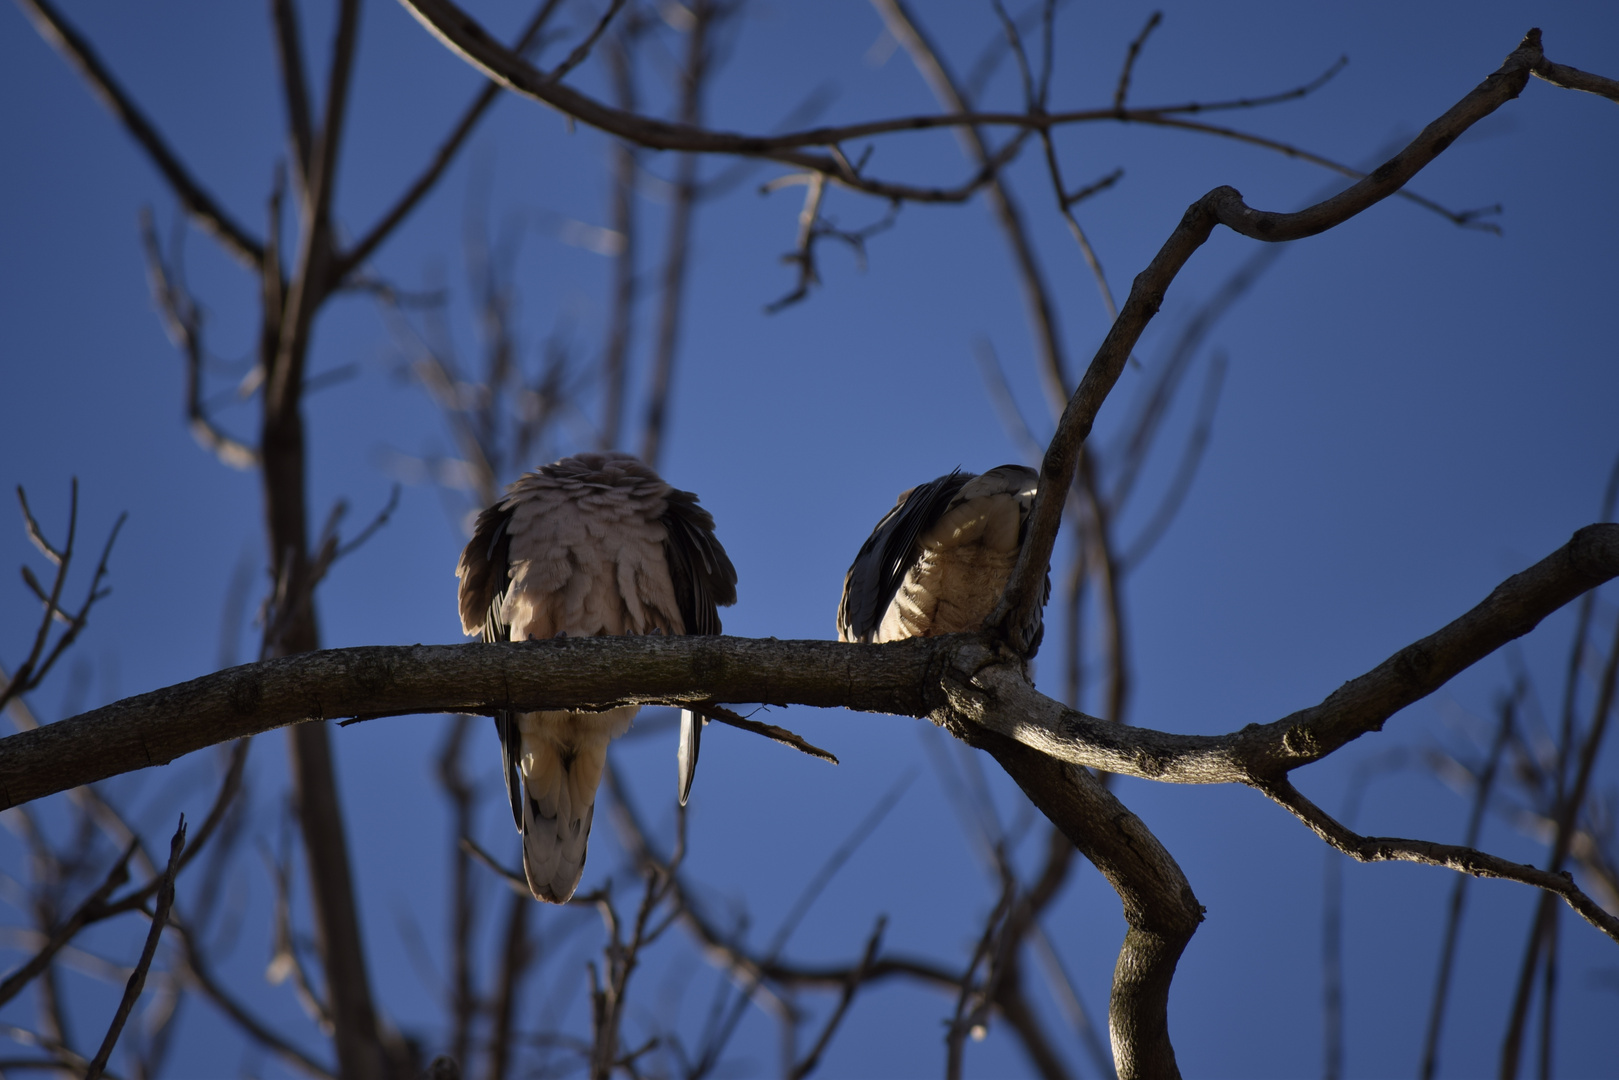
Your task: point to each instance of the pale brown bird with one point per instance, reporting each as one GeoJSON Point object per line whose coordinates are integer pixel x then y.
{"type": "Point", "coordinates": [589, 545]}
{"type": "Point", "coordinates": [938, 562]}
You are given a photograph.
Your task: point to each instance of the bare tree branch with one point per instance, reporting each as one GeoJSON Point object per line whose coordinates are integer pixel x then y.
{"type": "Point", "coordinates": [183, 320]}
{"type": "Point", "coordinates": [1451, 856]}
{"type": "Point", "coordinates": [811, 1060]}
{"type": "Point", "coordinates": [294, 86]}
{"type": "Point", "coordinates": [201, 975]}
{"type": "Point", "coordinates": [137, 978]}
{"type": "Point", "coordinates": [346, 263]}
{"type": "Point", "coordinates": [723, 715]}
{"type": "Point", "coordinates": [39, 662]}
{"type": "Point", "coordinates": [1019, 611]}
{"type": "Point", "coordinates": [1042, 312]}
{"type": "Point", "coordinates": [1122, 90]}
{"type": "Point", "coordinates": [67, 40]}
{"type": "Point", "coordinates": [705, 16]}
{"type": "Point", "coordinates": [1458, 893]}
{"type": "Point", "coordinates": [900, 677]}
{"type": "Point", "coordinates": [86, 913]}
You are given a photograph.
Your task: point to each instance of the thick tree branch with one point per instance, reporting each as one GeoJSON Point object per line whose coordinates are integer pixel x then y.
{"type": "Point", "coordinates": [376, 681]}
{"type": "Point", "coordinates": [911, 678]}
{"type": "Point", "coordinates": [998, 697]}
{"type": "Point", "coordinates": [1159, 905]}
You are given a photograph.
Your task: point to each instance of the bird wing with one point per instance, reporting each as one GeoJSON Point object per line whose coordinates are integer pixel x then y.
{"type": "Point", "coordinates": [889, 551]}
{"type": "Point", "coordinates": [702, 575]}
{"type": "Point", "coordinates": [485, 573]}
{"type": "Point", "coordinates": [704, 581]}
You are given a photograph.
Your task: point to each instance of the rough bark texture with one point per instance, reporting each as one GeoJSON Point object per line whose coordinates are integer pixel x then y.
{"type": "Point", "coordinates": [374, 681]}
{"type": "Point", "coordinates": [979, 685]}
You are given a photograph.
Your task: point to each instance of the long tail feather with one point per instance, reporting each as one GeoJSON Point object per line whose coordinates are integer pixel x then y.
{"type": "Point", "coordinates": [691, 738]}
{"type": "Point", "coordinates": [558, 807]}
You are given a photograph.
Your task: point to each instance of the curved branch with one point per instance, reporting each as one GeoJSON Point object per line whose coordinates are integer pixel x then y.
{"type": "Point", "coordinates": [1018, 614]}
{"type": "Point", "coordinates": [1159, 904]}
{"type": "Point", "coordinates": [463, 35]}
{"type": "Point", "coordinates": [1456, 857]}
{"type": "Point", "coordinates": [997, 696]}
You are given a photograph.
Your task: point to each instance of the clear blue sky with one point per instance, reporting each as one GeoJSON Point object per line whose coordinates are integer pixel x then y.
{"type": "Point", "coordinates": [1413, 412]}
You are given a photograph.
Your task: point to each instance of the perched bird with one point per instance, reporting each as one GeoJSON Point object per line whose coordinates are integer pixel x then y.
{"type": "Point", "coordinates": [589, 545]}
{"type": "Point", "coordinates": [938, 562]}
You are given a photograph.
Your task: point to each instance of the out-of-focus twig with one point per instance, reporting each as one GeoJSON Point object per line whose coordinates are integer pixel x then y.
{"type": "Point", "coordinates": [137, 978]}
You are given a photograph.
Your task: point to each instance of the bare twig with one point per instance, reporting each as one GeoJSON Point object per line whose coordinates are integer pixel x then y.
{"type": "Point", "coordinates": [350, 260]}
{"type": "Point", "coordinates": [1574, 79]}
{"type": "Point", "coordinates": [183, 319]}
{"type": "Point", "coordinates": [803, 1068]}
{"type": "Point", "coordinates": [461, 795]}
{"type": "Point", "coordinates": [39, 662]}
{"type": "Point", "coordinates": [1180, 485]}
{"type": "Point", "coordinates": [694, 74]}
{"type": "Point", "coordinates": [202, 206]}
{"type": "Point", "coordinates": [972, 1001]}
{"type": "Point", "coordinates": [1452, 856]}
{"type": "Point", "coordinates": [1458, 893]}
{"type": "Point", "coordinates": [202, 977]}
{"type": "Point", "coordinates": [516, 957]}
{"type": "Point", "coordinates": [1031, 276]}
{"type": "Point", "coordinates": [1121, 91]}
{"type": "Point", "coordinates": [626, 169]}
{"type": "Point", "coordinates": [137, 978]}
{"type": "Point", "coordinates": [1566, 806]}
{"type": "Point", "coordinates": [769, 731]}
{"type": "Point", "coordinates": [516, 881]}
{"type": "Point", "coordinates": [582, 50]}
{"type": "Point", "coordinates": [294, 84]}
{"type": "Point", "coordinates": [87, 912]}
{"type": "Point", "coordinates": [1019, 611]}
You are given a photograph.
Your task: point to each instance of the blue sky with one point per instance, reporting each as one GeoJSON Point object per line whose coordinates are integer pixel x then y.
{"type": "Point", "coordinates": [1412, 413]}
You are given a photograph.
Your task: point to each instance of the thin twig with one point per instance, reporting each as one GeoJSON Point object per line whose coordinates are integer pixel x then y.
{"type": "Point", "coordinates": [582, 50]}
{"type": "Point", "coordinates": [1458, 894]}
{"type": "Point", "coordinates": [202, 206]}
{"type": "Point", "coordinates": [769, 731]}
{"type": "Point", "coordinates": [348, 261]}
{"type": "Point", "coordinates": [183, 320]}
{"type": "Point", "coordinates": [856, 978]}
{"type": "Point", "coordinates": [1123, 89]}
{"type": "Point", "coordinates": [87, 912]}
{"type": "Point", "coordinates": [137, 978]}
{"type": "Point", "coordinates": [1452, 856]}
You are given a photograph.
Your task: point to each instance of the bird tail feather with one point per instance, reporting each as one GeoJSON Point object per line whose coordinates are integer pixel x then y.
{"type": "Point", "coordinates": [691, 737]}
{"type": "Point", "coordinates": [559, 803]}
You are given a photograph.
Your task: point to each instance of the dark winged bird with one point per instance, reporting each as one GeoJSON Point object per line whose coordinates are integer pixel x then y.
{"type": "Point", "coordinates": [589, 545]}
{"type": "Point", "coordinates": [938, 562]}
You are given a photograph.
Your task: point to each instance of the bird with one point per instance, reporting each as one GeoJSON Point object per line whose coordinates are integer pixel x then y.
{"type": "Point", "coordinates": [594, 544]}
{"type": "Point", "coordinates": [938, 562]}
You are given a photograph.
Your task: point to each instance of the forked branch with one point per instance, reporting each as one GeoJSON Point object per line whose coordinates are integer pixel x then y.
{"type": "Point", "coordinates": [1018, 614]}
